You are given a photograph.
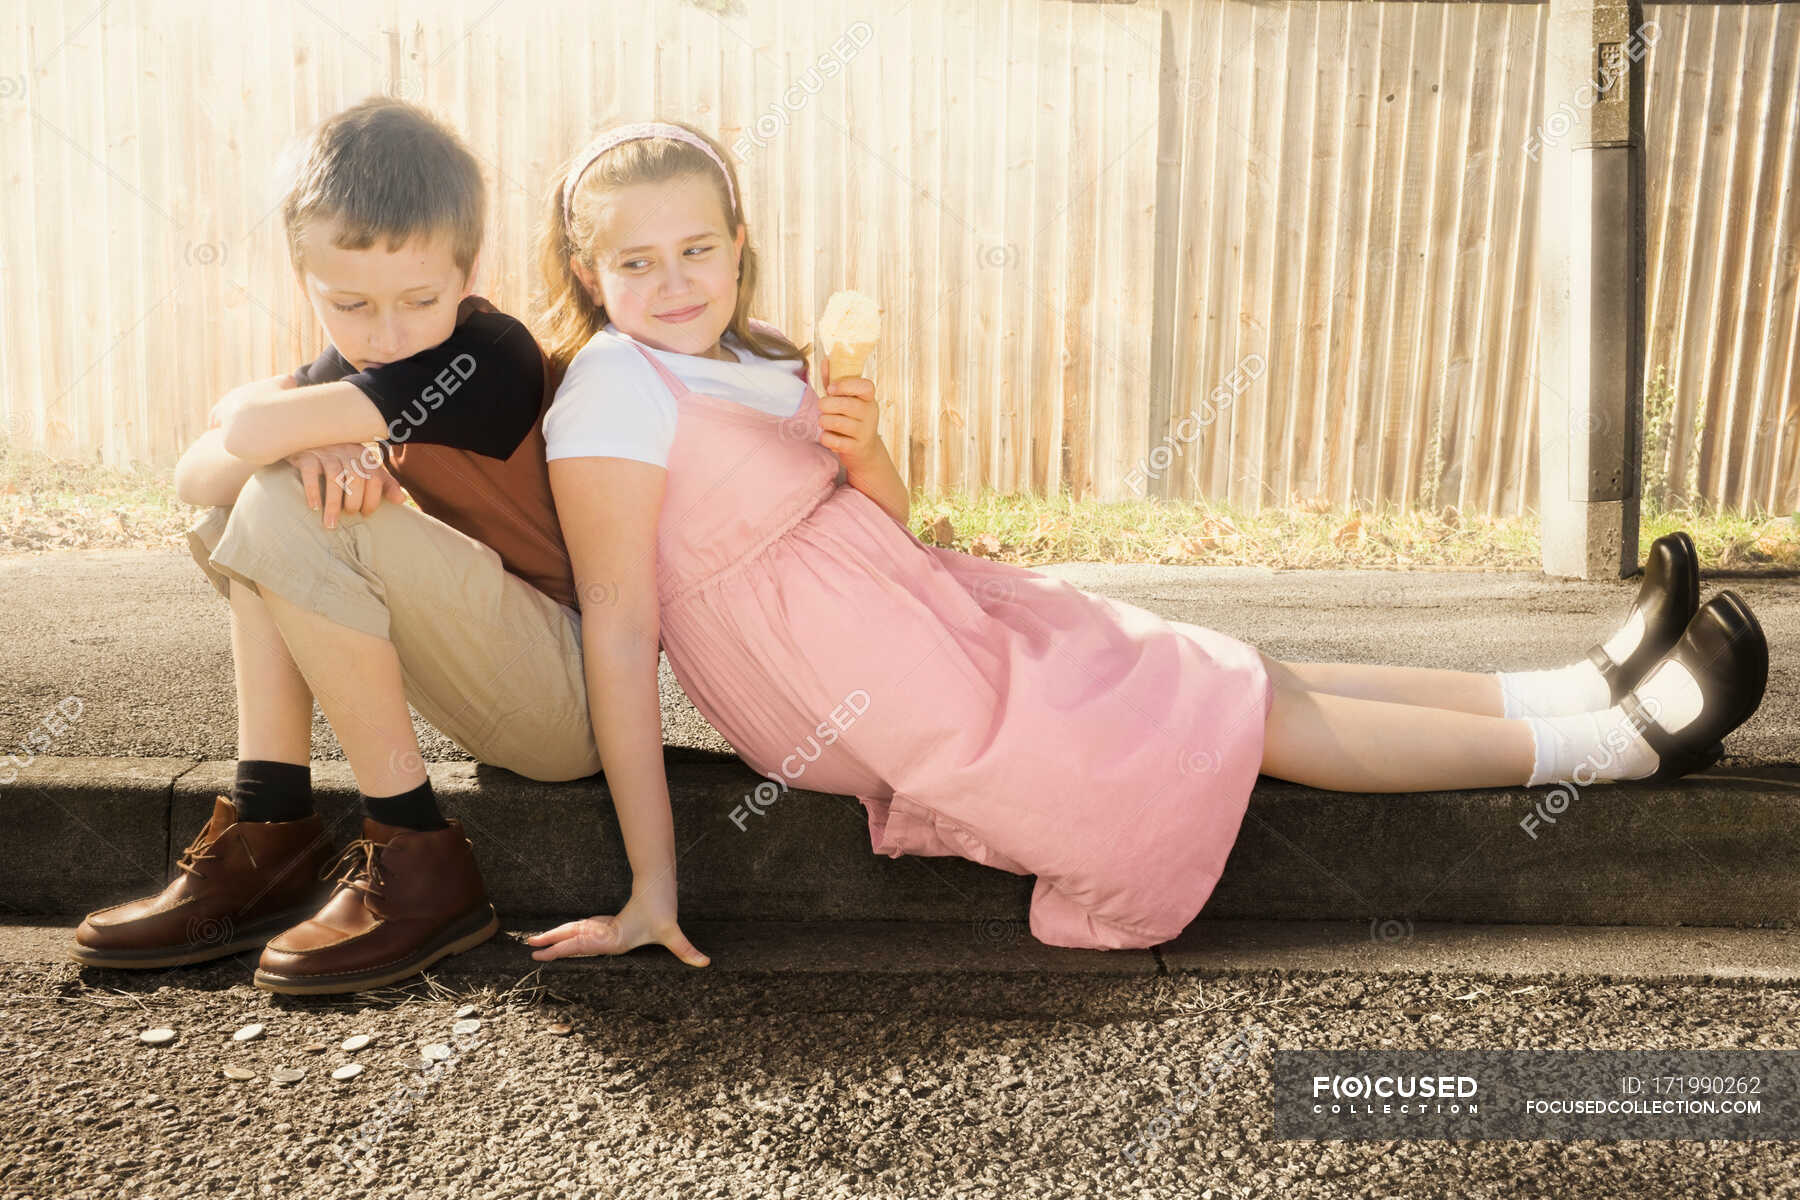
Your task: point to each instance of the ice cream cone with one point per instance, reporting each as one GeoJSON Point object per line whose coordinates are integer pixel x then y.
{"type": "Point", "coordinates": [848, 332]}
{"type": "Point", "coordinates": [848, 360]}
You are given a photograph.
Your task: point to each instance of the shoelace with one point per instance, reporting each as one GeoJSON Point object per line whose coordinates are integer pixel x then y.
{"type": "Point", "coordinates": [198, 850]}
{"type": "Point", "coordinates": [201, 849]}
{"type": "Point", "coordinates": [365, 875]}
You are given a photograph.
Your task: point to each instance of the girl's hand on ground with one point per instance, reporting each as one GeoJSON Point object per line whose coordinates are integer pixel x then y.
{"type": "Point", "coordinates": [847, 419]}
{"type": "Point", "coordinates": [339, 477]}
{"type": "Point", "coordinates": [641, 921]}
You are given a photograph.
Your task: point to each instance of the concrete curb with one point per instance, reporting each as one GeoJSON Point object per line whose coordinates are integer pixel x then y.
{"type": "Point", "coordinates": [1221, 947]}
{"type": "Point", "coordinates": [1716, 849]}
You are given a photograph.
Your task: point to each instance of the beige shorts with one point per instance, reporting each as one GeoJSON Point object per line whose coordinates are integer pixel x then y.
{"type": "Point", "coordinates": [487, 658]}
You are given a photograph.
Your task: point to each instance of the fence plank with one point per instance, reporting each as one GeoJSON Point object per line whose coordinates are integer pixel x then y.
{"type": "Point", "coordinates": [1078, 219]}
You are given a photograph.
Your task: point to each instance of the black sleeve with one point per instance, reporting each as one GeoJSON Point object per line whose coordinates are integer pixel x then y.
{"type": "Point", "coordinates": [480, 389]}
{"type": "Point", "coordinates": [329, 367]}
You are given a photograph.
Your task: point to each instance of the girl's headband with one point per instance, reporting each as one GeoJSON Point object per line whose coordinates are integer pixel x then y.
{"type": "Point", "coordinates": [632, 133]}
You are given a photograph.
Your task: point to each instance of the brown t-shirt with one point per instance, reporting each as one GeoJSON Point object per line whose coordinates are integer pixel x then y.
{"type": "Point", "coordinates": [466, 437]}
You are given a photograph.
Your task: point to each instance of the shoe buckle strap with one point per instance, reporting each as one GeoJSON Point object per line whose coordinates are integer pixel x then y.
{"type": "Point", "coordinates": [1648, 726]}
{"type": "Point", "coordinates": [1609, 670]}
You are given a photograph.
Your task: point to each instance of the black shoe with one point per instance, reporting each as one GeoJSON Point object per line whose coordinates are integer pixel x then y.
{"type": "Point", "coordinates": [1723, 648]}
{"type": "Point", "coordinates": [1669, 597]}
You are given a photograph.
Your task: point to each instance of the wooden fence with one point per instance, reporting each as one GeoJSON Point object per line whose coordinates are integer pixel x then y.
{"type": "Point", "coordinates": [1239, 250]}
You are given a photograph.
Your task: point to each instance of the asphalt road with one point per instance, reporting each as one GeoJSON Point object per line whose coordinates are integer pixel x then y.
{"type": "Point", "coordinates": [143, 640]}
{"type": "Point", "coordinates": [681, 1083]}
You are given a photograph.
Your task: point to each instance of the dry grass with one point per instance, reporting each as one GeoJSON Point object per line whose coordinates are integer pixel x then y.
{"type": "Point", "coordinates": [1032, 532]}
{"type": "Point", "coordinates": [52, 504]}
{"type": "Point", "coordinates": [56, 504]}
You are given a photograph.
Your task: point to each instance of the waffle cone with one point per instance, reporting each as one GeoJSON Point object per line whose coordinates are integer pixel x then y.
{"type": "Point", "coordinates": [847, 361]}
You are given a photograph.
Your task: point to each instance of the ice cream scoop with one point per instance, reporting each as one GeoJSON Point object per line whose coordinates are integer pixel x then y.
{"type": "Point", "coordinates": [848, 332]}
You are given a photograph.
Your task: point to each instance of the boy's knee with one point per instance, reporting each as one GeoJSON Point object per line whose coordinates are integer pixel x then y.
{"type": "Point", "coordinates": [274, 485]}
{"type": "Point", "coordinates": [272, 505]}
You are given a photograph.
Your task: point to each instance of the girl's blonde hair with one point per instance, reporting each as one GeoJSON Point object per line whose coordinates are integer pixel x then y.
{"type": "Point", "coordinates": [567, 317]}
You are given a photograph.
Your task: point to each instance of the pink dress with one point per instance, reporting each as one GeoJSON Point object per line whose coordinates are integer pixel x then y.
{"type": "Point", "coordinates": [974, 708]}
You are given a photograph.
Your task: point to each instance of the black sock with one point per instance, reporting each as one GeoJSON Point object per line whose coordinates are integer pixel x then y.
{"type": "Point", "coordinates": [272, 791]}
{"type": "Point", "coordinates": [416, 809]}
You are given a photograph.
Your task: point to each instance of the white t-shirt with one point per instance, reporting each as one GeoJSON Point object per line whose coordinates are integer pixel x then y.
{"type": "Point", "coordinates": [612, 403]}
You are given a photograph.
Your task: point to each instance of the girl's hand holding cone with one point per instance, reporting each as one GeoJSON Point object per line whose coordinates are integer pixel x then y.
{"type": "Point", "coordinates": [847, 412]}
{"type": "Point", "coordinates": [848, 416]}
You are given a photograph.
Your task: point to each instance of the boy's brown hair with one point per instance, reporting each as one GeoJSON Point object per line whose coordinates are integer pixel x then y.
{"type": "Point", "coordinates": [387, 169]}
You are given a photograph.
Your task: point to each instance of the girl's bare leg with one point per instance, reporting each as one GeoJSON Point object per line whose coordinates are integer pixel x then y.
{"type": "Point", "coordinates": [1429, 687]}
{"type": "Point", "coordinates": [356, 677]}
{"type": "Point", "coordinates": [1346, 744]}
{"type": "Point", "coordinates": [274, 704]}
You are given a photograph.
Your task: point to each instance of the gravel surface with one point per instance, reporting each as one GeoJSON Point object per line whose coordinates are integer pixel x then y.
{"type": "Point", "coordinates": [675, 1082]}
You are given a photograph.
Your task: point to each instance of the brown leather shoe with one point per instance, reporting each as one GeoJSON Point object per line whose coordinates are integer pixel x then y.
{"type": "Point", "coordinates": [238, 884]}
{"type": "Point", "coordinates": [412, 897]}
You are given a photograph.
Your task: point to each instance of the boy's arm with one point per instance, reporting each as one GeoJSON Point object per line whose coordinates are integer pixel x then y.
{"type": "Point", "coordinates": [209, 474]}
{"type": "Point", "coordinates": [480, 390]}
{"type": "Point", "coordinates": [264, 422]}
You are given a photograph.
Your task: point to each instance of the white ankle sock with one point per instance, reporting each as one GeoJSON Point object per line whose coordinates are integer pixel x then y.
{"type": "Point", "coordinates": [1588, 746]}
{"type": "Point", "coordinates": [1607, 744]}
{"type": "Point", "coordinates": [1576, 688]}
{"type": "Point", "coordinates": [1563, 691]}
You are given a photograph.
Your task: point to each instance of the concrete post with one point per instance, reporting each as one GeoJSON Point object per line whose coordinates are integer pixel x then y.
{"type": "Point", "coordinates": [1591, 233]}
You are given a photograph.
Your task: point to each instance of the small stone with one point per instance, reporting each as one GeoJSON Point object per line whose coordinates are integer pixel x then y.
{"type": "Point", "coordinates": [289, 1074]}
{"type": "Point", "coordinates": [315, 1048]}
{"type": "Point", "coordinates": [356, 1041]}
{"type": "Point", "coordinates": [465, 1028]}
{"type": "Point", "coordinates": [467, 1010]}
{"type": "Point", "coordinates": [348, 1071]}
{"type": "Point", "coordinates": [437, 1052]}
{"type": "Point", "coordinates": [247, 1032]}
{"type": "Point", "coordinates": [239, 1074]}
{"type": "Point", "coordinates": [157, 1037]}
{"type": "Point", "coordinates": [1414, 1010]}
{"type": "Point", "coordinates": [560, 1030]}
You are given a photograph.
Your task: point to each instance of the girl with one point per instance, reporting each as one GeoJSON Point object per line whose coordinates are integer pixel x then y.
{"type": "Point", "coordinates": [974, 708]}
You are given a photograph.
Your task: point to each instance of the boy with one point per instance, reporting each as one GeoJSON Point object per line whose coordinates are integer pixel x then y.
{"type": "Point", "coordinates": [466, 609]}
